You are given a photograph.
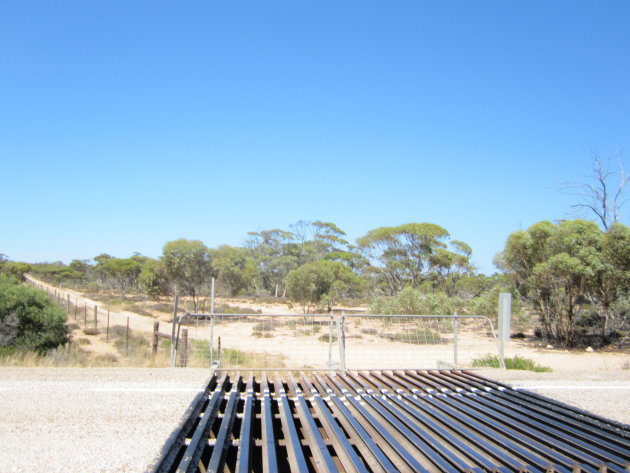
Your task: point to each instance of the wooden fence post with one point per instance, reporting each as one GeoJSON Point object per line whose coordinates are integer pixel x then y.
{"type": "Point", "coordinates": [156, 328]}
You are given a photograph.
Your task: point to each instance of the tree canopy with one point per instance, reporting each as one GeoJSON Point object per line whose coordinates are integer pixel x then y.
{"type": "Point", "coordinates": [413, 253]}
{"type": "Point", "coordinates": [568, 271]}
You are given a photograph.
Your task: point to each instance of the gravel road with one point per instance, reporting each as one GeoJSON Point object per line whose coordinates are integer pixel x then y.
{"type": "Point", "coordinates": [605, 393]}
{"type": "Point", "coordinates": [118, 419]}
{"type": "Point", "coordinates": [96, 420]}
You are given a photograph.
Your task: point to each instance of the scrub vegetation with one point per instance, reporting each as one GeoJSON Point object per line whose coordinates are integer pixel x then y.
{"type": "Point", "coordinates": [569, 279]}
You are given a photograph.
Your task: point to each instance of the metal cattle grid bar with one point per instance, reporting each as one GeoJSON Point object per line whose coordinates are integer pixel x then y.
{"type": "Point", "coordinates": [450, 421]}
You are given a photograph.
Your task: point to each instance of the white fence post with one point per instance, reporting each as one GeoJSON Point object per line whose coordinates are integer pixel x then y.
{"type": "Point", "coordinates": [505, 315]}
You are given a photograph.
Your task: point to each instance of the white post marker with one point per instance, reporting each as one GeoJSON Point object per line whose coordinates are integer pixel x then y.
{"type": "Point", "coordinates": [505, 315]}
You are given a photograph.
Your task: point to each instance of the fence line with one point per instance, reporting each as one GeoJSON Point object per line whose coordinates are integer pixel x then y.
{"type": "Point", "coordinates": [287, 341]}
{"type": "Point", "coordinates": [329, 341]}
{"type": "Point", "coordinates": [130, 336]}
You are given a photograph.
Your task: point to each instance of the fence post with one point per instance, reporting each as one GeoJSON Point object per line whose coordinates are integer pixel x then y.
{"type": "Point", "coordinates": [76, 308]}
{"type": "Point", "coordinates": [68, 310]}
{"type": "Point", "coordinates": [211, 321]}
{"type": "Point", "coordinates": [156, 329]}
{"type": "Point", "coordinates": [341, 340]}
{"type": "Point", "coordinates": [211, 335]}
{"type": "Point", "coordinates": [184, 356]}
{"type": "Point", "coordinates": [107, 329]}
{"type": "Point", "coordinates": [212, 297]}
{"type": "Point", "coordinates": [330, 336]}
{"type": "Point", "coordinates": [455, 339]}
{"type": "Point", "coordinates": [85, 314]}
{"type": "Point", "coordinates": [95, 317]}
{"type": "Point", "coordinates": [505, 314]}
{"type": "Point", "coordinates": [174, 323]}
{"type": "Point", "coordinates": [127, 338]}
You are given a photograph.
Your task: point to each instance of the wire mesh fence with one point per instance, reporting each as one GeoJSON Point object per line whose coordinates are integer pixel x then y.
{"type": "Point", "coordinates": [323, 341]}
{"type": "Point", "coordinates": [285, 341]}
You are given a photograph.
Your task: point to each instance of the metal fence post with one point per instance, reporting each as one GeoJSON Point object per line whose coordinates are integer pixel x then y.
{"type": "Point", "coordinates": [211, 322]}
{"type": "Point", "coordinates": [505, 314]}
{"type": "Point", "coordinates": [330, 336]}
{"type": "Point", "coordinates": [212, 297]}
{"type": "Point", "coordinates": [341, 340]}
{"type": "Point", "coordinates": [184, 357]}
{"type": "Point", "coordinates": [455, 337]}
{"type": "Point", "coordinates": [211, 341]}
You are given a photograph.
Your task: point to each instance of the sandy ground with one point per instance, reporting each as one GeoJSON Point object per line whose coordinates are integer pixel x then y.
{"type": "Point", "coordinates": [365, 351]}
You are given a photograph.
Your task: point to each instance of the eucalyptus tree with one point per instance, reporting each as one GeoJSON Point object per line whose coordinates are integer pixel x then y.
{"type": "Point", "coordinates": [322, 283]}
{"type": "Point", "coordinates": [124, 273]}
{"type": "Point", "coordinates": [410, 254]}
{"type": "Point", "coordinates": [275, 254]}
{"type": "Point", "coordinates": [446, 267]}
{"type": "Point", "coordinates": [570, 271]}
{"type": "Point", "coordinates": [187, 266]}
{"type": "Point", "coordinates": [233, 267]}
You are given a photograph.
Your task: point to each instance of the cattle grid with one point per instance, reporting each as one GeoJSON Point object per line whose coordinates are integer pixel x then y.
{"type": "Point", "coordinates": [381, 421]}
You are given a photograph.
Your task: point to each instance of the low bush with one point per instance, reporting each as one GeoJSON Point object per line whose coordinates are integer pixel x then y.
{"type": "Point", "coordinates": [326, 338]}
{"type": "Point", "coordinates": [28, 319]}
{"type": "Point", "coordinates": [416, 337]}
{"type": "Point", "coordinates": [514, 363]}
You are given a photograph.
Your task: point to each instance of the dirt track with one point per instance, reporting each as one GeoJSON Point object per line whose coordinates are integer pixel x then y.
{"type": "Point", "coordinates": [313, 351]}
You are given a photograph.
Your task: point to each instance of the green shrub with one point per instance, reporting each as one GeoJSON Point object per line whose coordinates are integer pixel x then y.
{"type": "Point", "coordinates": [416, 337]}
{"type": "Point", "coordinates": [260, 334]}
{"type": "Point", "coordinates": [325, 338]}
{"type": "Point", "coordinates": [28, 319]}
{"type": "Point", "coordinates": [514, 363]}
{"type": "Point", "coordinates": [267, 326]}
{"type": "Point", "coordinates": [412, 302]}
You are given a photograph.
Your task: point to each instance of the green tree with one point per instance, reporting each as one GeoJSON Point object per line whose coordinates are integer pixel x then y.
{"type": "Point", "coordinates": [446, 267]}
{"type": "Point", "coordinates": [187, 266]}
{"type": "Point", "coordinates": [233, 267]}
{"type": "Point", "coordinates": [123, 272]}
{"type": "Point", "coordinates": [275, 255]}
{"type": "Point", "coordinates": [16, 270]}
{"type": "Point", "coordinates": [153, 279]}
{"type": "Point", "coordinates": [322, 283]}
{"type": "Point", "coordinates": [57, 273]}
{"type": "Point", "coordinates": [404, 255]}
{"type": "Point", "coordinates": [566, 271]}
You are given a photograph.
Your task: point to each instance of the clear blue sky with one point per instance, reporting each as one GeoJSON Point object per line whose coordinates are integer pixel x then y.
{"type": "Point", "coordinates": [127, 124]}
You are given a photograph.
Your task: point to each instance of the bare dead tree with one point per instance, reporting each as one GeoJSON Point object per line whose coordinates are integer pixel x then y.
{"type": "Point", "coordinates": [603, 194]}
